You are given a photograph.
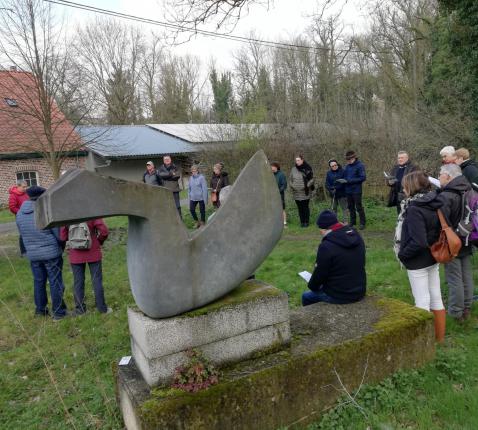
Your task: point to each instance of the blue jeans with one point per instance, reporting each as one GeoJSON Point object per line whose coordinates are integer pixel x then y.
{"type": "Point", "coordinates": [311, 297]}
{"type": "Point", "coordinates": [79, 286]}
{"type": "Point", "coordinates": [51, 270]}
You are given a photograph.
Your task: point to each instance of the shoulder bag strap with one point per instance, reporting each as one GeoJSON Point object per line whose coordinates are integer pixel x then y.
{"type": "Point", "coordinates": [441, 217]}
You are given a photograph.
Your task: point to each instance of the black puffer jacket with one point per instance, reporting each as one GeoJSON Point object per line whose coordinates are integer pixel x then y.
{"type": "Point", "coordinates": [420, 230]}
{"type": "Point", "coordinates": [451, 197]}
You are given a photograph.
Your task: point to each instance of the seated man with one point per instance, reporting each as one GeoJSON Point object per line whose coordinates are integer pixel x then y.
{"type": "Point", "coordinates": [339, 274]}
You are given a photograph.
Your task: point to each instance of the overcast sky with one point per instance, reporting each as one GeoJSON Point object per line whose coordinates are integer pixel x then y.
{"type": "Point", "coordinates": [283, 19]}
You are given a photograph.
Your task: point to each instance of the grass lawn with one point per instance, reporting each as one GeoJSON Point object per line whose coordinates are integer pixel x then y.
{"type": "Point", "coordinates": [58, 375]}
{"type": "Point", "coordinates": [6, 216]}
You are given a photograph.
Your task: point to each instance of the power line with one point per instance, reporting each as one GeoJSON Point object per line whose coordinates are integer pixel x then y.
{"type": "Point", "coordinates": [242, 39]}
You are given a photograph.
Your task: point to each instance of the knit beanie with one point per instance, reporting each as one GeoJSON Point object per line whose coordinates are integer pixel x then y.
{"type": "Point", "coordinates": [35, 191]}
{"type": "Point", "coordinates": [327, 219]}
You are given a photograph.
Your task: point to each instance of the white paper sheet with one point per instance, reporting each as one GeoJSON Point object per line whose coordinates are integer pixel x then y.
{"type": "Point", "coordinates": [305, 275]}
{"type": "Point", "coordinates": [125, 360]}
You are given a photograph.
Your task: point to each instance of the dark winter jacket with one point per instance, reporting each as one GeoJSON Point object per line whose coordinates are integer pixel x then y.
{"type": "Point", "coordinates": [219, 181]}
{"type": "Point", "coordinates": [340, 266]}
{"type": "Point", "coordinates": [396, 190]}
{"type": "Point", "coordinates": [420, 230]}
{"type": "Point", "coordinates": [41, 245]}
{"type": "Point", "coordinates": [170, 176]}
{"type": "Point", "coordinates": [15, 199]}
{"type": "Point", "coordinates": [281, 180]}
{"type": "Point", "coordinates": [98, 234]}
{"type": "Point", "coordinates": [355, 176]}
{"type": "Point", "coordinates": [333, 187]}
{"type": "Point", "coordinates": [451, 197]}
{"type": "Point", "coordinates": [469, 169]}
{"type": "Point", "coordinates": [152, 178]}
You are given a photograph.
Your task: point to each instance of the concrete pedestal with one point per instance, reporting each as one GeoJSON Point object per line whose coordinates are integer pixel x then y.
{"type": "Point", "coordinates": [362, 342]}
{"type": "Point", "coordinates": [251, 319]}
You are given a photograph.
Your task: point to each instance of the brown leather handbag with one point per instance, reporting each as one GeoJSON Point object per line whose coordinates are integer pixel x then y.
{"type": "Point", "coordinates": [448, 245]}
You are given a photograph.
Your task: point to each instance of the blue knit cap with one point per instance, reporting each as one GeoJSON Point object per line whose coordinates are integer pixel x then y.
{"type": "Point", "coordinates": [327, 219]}
{"type": "Point", "coordinates": [35, 191]}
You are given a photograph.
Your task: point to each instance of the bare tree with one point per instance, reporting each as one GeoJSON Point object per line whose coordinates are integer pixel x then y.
{"type": "Point", "coordinates": [111, 55]}
{"type": "Point", "coordinates": [33, 43]}
{"type": "Point", "coordinates": [193, 13]}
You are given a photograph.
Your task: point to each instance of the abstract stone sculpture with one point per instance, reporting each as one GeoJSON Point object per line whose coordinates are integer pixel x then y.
{"type": "Point", "coordinates": [172, 271]}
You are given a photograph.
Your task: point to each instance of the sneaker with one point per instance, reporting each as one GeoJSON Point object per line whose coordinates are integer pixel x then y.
{"type": "Point", "coordinates": [109, 310]}
{"type": "Point", "coordinates": [362, 227]}
{"type": "Point", "coordinates": [42, 314]}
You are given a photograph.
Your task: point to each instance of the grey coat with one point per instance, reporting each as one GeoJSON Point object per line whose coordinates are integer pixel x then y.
{"type": "Point", "coordinates": [297, 186]}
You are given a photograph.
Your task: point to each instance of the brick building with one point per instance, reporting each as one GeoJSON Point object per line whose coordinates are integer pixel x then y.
{"type": "Point", "coordinates": [23, 142]}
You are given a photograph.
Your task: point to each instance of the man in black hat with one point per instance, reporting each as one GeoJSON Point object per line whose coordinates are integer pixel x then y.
{"type": "Point", "coordinates": [339, 274]}
{"type": "Point", "coordinates": [44, 251]}
{"type": "Point", "coordinates": [354, 176]}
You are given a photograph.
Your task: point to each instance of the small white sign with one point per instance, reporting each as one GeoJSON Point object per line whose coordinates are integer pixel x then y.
{"type": "Point", "coordinates": [305, 275]}
{"type": "Point", "coordinates": [125, 360]}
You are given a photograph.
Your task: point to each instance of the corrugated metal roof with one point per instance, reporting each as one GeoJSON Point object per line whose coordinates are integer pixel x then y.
{"type": "Point", "coordinates": [131, 141]}
{"type": "Point", "coordinates": [207, 133]}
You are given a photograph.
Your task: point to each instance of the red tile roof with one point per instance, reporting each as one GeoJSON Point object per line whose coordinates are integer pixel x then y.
{"type": "Point", "coordinates": [21, 126]}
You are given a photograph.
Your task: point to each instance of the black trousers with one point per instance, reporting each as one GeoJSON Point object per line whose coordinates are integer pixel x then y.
{"type": "Point", "coordinates": [177, 202]}
{"type": "Point", "coordinates": [354, 202]}
{"type": "Point", "coordinates": [202, 209]}
{"type": "Point", "coordinates": [304, 211]}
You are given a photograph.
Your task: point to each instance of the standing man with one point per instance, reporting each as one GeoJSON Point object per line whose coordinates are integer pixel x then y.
{"type": "Point", "coordinates": [353, 178]}
{"type": "Point", "coordinates": [469, 168]}
{"type": "Point", "coordinates": [44, 251]}
{"type": "Point", "coordinates": [402, 167]}
{"type": "Point", "coordinates": [170, 176]}
{"type": "Point", "coordinates": [151, 176]}
{"type": "Point", "coordinates": [447, 155]}
{"type": "Point", "coordinates": [18, 195]}
{"type": "Point", "coordinates": [459, 271]}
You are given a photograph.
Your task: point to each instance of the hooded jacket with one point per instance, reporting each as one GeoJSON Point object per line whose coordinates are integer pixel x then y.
{"type": "Point", "coordinates": [420, 229]}
{"type": "Point", "coordinates": [219, 181]}
{"type": "Point", "coordinates": [98, 233]}
{"type": "Point", "coordinates": [197, 188]}
{"type": "Point", "coordinates": [451, 197]}
{"type": "Point", "coordinates": [15, 199]}
{"type": "Point", "coordinates": [41, 245]}
{"type": "Point", "coordinates": [281, 180]}
{"type": "Point", "coordinates": [340, 266]}
{"type": "Point", "coordinates": [470, 170]}
{"type": "Point", "coordinates": [355, 175]}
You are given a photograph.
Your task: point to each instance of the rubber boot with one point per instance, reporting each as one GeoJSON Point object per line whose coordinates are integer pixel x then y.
{"type": "Point", "coordinates": [440, 324]}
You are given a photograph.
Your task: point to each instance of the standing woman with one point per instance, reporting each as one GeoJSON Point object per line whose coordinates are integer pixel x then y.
{"type": "Point", "coordinates": [282, 184]}
{"type": "Point", "coordinates": [197, 192]}
{"type": "Point", "coordinates": [219, 180]}
{"type": "Point", "coordinates": [88, 253]}
{"type": "Point", "coordinates": [301, 181]}
{"type": "Point", "coordinates": [336, 189]}
{"type": "Point", "coordinates": [418, 228]}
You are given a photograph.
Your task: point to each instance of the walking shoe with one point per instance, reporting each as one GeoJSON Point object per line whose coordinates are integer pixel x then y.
{"type": "Point", "coordinates": [362, 227]}
{"type": "Point", "coordinates": [42, 314]}
{"type": "Point", "coordinates": [109, 310]}
{"type": "Point", "coordinates": [57, 318]}
{"type": "Point", "coordinates": [466, 314]}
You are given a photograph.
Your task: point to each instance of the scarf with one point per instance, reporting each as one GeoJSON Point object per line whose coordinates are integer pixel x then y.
{"type": "Point", "coordinates": [307, 176]}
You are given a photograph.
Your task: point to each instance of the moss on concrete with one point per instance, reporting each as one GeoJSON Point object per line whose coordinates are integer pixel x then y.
{"type": "Point", "coordinates": [248, 291]}
{"type": "Point", "coordinates": [293, 387]}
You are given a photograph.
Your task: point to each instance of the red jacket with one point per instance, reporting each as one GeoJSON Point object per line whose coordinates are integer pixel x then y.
{"type": "Point", "coordinates": [98, 232]}
{"type": "Point", "coordinates": [16, 199]}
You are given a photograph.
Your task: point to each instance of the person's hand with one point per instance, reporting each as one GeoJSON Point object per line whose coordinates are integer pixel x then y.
{"type": "Point", "coordinates": [342, 181]}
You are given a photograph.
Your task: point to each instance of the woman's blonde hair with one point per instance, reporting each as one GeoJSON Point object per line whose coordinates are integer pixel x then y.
{"type": "Point", "coordinates": [415, 182]}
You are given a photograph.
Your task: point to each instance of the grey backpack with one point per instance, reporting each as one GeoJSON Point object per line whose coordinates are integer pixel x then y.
{"type": "Point", "coordinates": [79, 236]}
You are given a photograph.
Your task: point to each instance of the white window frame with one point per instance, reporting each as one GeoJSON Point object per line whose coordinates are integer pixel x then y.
{"type": "Point", "coordinates": [20, 176]}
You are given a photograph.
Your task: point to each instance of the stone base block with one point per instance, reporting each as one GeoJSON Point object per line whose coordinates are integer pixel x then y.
{"type": "Point", "coordinates": [251, 319]}
{"type": "Point", "coordinates": [360, 342]}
